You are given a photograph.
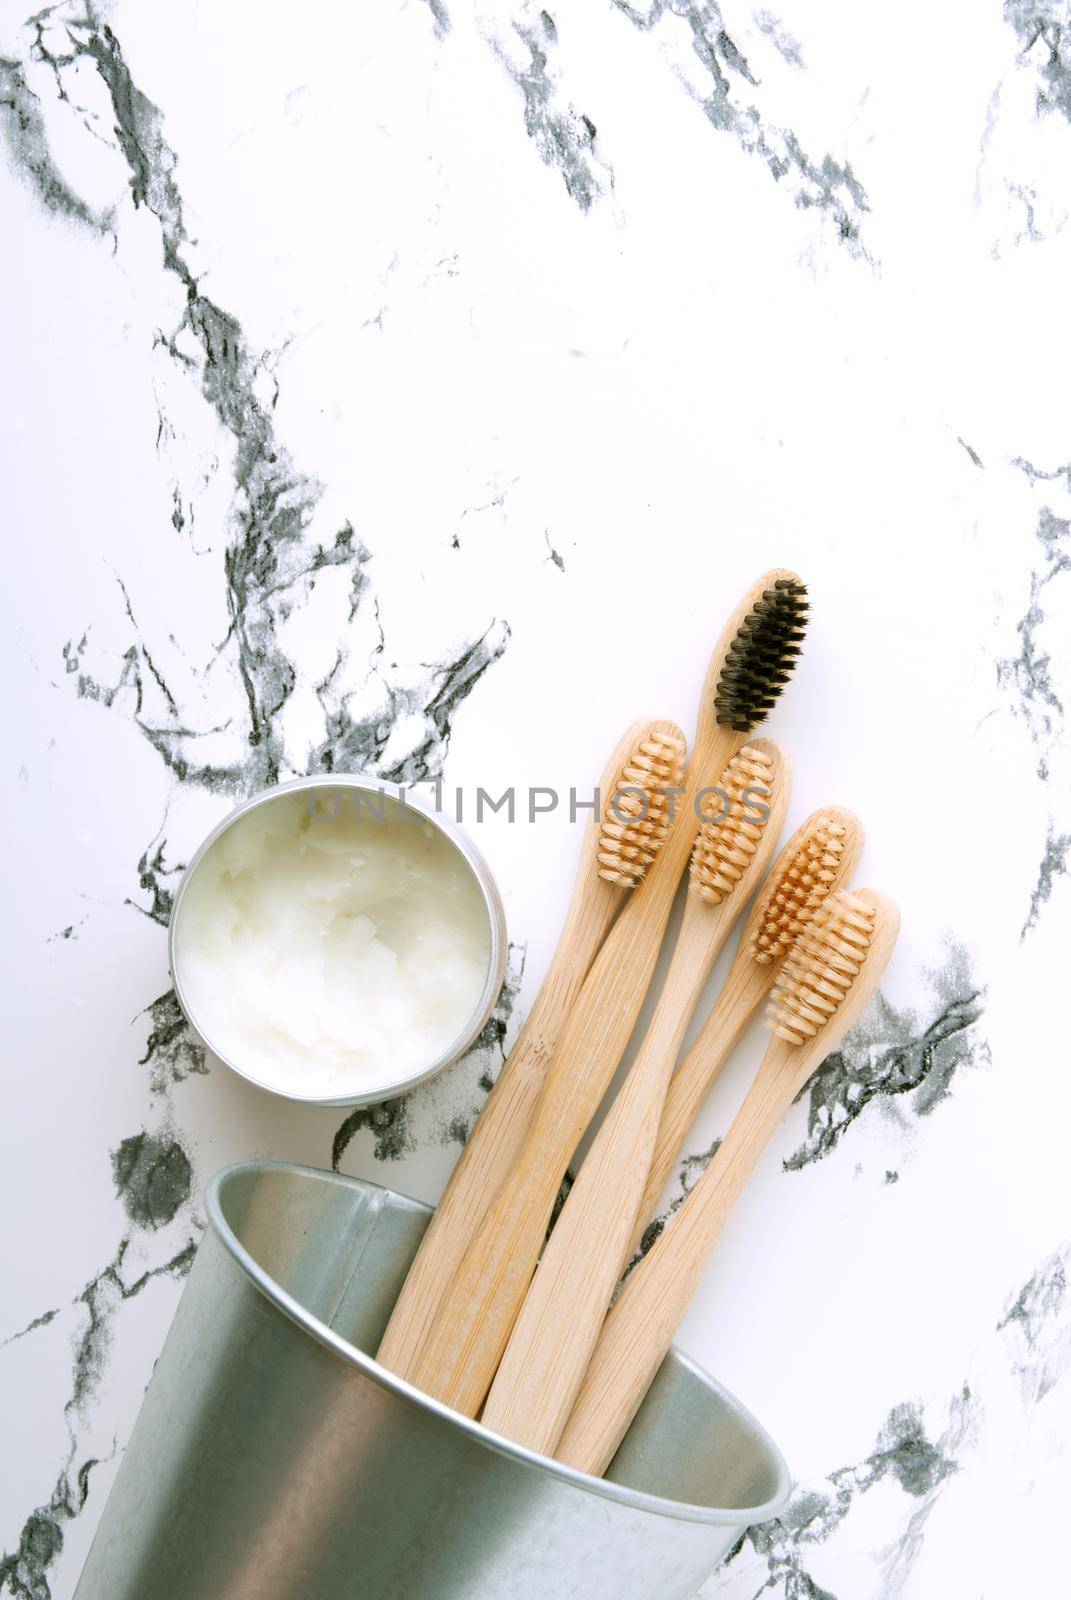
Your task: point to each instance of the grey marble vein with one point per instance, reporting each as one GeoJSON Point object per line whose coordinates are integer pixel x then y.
{"type": "Point", "coordinates": [689, 1171]}
{"type": "Point", "coordinates": [440, 16]}
{"type": "Point", "coordinates": [172, 1052]}
{"type": "Point", "coordinates": [889, 1055]}
{"type": "Point", "coordinates": [154, 871]}
{"type": "Point", "coordinates": [1030, 678]}
{"type": "Point", "coordinates": [892, 1054]}
{"type": "Point", "coordinates": [387, 1122]}
{"type": "Point", "coordinates": [271, 562]}
{"type": "Point", "coordinates": [695, 31]}
{"type": "Point", "coordinates": [24, 131]}
{"type": "Point", "coordinates": [152, 1176]}
{"type": "Point", "coordinates": [1037, 1326]}
{"type": "Point", "coordinates": [101, 1299]}
{"type": "Point", "coordinates": [498, 490]}
{"type": "Point", "coordinates": [564, 137]}
{"type": "Point", "coordinates": [357, 743]}
{"type": "Point", "coordinates": [1034, 1334]}
{"type": "Point", "coordinates": [1029, 675]}
{"type": "Point", "coordinates": [553, 555]}
{"type": "Point", "coordinates": [24, 1570]}
{"type": "Point", "coordinates": [564, 1190]}
{"type": "Point", "coordinates": [1054, 864]}
{"type": "Point", "coordinates": [786, 45]}
{"type": "Point", "coordinates": [1029, 233]}
{"type": "Point", "coordinates": [904, 1455]}
{"type": "Point", "coordinates": [31, 1327]}
{"type": "Point", "coordinates": [1043, 28]}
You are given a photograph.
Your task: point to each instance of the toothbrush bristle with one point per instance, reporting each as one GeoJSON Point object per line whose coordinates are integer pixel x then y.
{"type": "Point", "coordinates": [727, 840]}
{"type": "Point", "coordinates": [637, 816]}
{"type": "Point", "coordinates": [796, 889]}
{"type": "Point", "coordinates": [821, 967]}
{"type": "Point", "coordinates": [760, 659]}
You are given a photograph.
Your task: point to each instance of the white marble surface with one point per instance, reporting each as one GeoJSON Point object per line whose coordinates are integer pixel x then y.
{"type": "Point", "coordinates": [412, 388]}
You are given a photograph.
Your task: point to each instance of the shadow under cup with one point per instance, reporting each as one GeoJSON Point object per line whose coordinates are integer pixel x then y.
{"type": "Point", "coordinates": [273, 1460]}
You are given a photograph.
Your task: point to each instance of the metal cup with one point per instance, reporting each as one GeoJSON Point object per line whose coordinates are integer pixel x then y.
{"type": "Point", "coordinates": [273, 1460]}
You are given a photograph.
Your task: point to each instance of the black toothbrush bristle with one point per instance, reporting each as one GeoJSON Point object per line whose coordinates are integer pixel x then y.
{"type": "Point", "coordinates": [761, 657]}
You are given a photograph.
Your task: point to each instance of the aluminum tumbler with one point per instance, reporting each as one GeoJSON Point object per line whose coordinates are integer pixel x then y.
{"type": "Point", "coordinates": [273, 1459]}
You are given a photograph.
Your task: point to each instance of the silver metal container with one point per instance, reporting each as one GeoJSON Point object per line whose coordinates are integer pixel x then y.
{"type": "Point", "coordinates": [273, 1460]}
{"type": "Point", "coordinates": [481, 872]}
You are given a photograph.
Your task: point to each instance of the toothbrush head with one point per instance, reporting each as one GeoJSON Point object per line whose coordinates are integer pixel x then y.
{"type": "Point", "coordinates": [816, 861]}
{"type": "Point", "coordinates": [638, 810]}
{"type": "Point", "coordinates": [822, 967]}
{"type": "Point", "coordinates": [761, 656]}
{"type": "Point", "coordinates": [735, 816]}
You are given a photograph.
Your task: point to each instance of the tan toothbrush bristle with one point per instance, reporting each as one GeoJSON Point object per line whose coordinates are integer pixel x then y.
{"type": "Point", "coordinates": [727, 841]}
{"type": "Point", "coordinates": [821, 967]}
{"type": "Point", "coordinates": [637, 816]}
{"type": "Point", "coordinates": [789, 904]}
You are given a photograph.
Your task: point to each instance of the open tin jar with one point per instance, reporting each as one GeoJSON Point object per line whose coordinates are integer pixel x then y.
{"type": "Point", "coordinates": [337, 941]}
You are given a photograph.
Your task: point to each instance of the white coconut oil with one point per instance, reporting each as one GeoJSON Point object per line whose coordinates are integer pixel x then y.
{"type": "Point", "coordinates": [331, 942]}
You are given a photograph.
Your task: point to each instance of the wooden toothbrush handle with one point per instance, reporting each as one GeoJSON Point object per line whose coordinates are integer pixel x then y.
{"type": "Point", "coordinates": [746, 988]}
{"type": "Point", "coordinates": [488, 1155]}
{"type": "Point", "coordinates": [458, 1358]}
{"type": "Point", "coordinates": [498, 1135]}
{"type": "Point", "coordinates": [555, 1332]}
{"type": "Point", "coordinates": [640, 1327]}
{"type": "Point", "coordinates": [547, 1355]}
{"type": "Point", "coordinates": [748, 984]}
{"type": "Point", "coordinates": [469, 1330]}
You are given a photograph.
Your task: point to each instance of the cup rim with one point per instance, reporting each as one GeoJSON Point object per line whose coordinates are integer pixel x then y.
{"type": "Point", "coordinates": [657, 1505]}
{"type": "Point", "coordinates": [496, 923]}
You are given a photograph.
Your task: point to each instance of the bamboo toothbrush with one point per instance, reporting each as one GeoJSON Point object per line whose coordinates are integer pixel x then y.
{"type": "Point", "coordinates": [635, 794]}
{"type": "Point", "coordinates": [470, 1328]}
{"type": "Point", "coordinates": [827, 980]}
{"type": "Point", "coordinates": [820, 857]}
{"type": "Point", "coordinates": [555, 1333]}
